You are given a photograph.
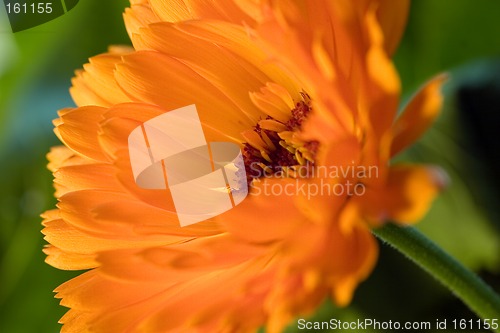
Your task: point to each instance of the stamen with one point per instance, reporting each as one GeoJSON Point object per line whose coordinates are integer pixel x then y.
{"type": "Point", "coordinates": [272, 125]}
{"type": "Point", "coordinates": [267, 140]}
{"type": "Point", "coordinates": [254, 139]}
{"type": "Point", "coordinates": [266, 156]}
{"type": "Point", "coordinates": [273, 147]}
{"type": "Point", "coordinates": [299, 158]}
{"type": "Point", "coordinates": [308, 156]}
{"type": "Point", "coordinates": [266, 168]}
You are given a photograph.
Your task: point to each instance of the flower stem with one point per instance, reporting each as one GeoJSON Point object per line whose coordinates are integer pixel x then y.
{"type": "Point", "coordinates": [466, 285]}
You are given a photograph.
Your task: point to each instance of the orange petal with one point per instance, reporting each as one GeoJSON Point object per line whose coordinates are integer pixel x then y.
{"type": "Point", "coordinates": [379, 65]}
{"type": "Point", "coordinates": [106, 294]}
{"type": "Point", "coordinates": [392, 16]}
{"type": "Point", "coordinates": [363, 251]}
{"type": "Point", "coordinates": [78, 128]}
{"type": "Point", "coordinates": [71, 242]}
{"type": "Point", "coordinates": [418, 115]}
{"type": "Point", "coordinates": [83, 94]}
{"type": "Point", "coordinates": [96, 85]}
{"type": "Point", "coordinates": [274, 101]}
{"type": "Point", "coordinates": [181, 10]}
{"type": "Point", "coordinates": [139, 16]}
{"type": "Point", "coordinates": [206, 300]}
{"type": "Point", "coordinates": [118, 215]}
{"type": "Point", "coordinates": [120, 120]}
{"type": "Point", "coordinates": [67, 260]}
{"type": "Point", "coordinates": [264, 197]}
{"type": "Point", "coordinates": [179, 261]}
{"type": "Point", "coordinates": [61, 156]}
{"type": "Point", "coordinates": [343, 154]}
{"type": "Point", "coordinates": [172, 10]}
{"type": "Point", "coordinates": [254, 140]}
{"type": "Point", "coordinates": [231, 74]}
{"type": "Point", "coordinates": [152, 77]}
{"type": "Point", "coordinates": [411, 190]}
{"type": "Point", "coordinates": [86, 176]}
{"type": "Point", "coordinates": [237, 40]}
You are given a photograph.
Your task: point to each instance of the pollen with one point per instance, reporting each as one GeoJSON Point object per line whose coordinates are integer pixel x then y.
{"type": "Point", "coordinates": [273, 147]}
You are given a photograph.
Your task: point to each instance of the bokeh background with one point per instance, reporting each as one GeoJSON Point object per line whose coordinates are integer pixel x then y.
{"type": "Point", "coordinates": [461, 37]}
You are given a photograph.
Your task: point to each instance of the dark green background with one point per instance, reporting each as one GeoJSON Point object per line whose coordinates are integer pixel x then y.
{"type": "Point", "coordinates": [458, 36]}
{"type": "Point", "coordinates": [25, 14]}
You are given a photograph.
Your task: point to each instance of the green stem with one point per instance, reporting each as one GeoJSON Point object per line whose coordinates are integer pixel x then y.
{"type": "Point", "coordinates": [466, 285]}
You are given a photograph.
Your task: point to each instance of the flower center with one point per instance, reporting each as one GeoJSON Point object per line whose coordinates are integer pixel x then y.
{"type": "Point", "coordinates": [273, 148]}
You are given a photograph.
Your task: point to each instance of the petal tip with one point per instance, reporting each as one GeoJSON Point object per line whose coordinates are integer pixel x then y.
{"type": "Point", "coordinates": [439, 177]}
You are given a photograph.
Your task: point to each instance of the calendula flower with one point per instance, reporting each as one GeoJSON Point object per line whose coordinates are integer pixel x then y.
{"type": "Point", "coordinates": [308, 91]}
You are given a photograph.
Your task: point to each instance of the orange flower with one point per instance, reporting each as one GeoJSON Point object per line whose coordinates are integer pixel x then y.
{"type": "Point", "coordinates": [309, 92]}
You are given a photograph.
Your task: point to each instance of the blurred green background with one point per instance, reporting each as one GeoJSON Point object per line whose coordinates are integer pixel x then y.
{"type": "Point", "coordinates": [458, 36]}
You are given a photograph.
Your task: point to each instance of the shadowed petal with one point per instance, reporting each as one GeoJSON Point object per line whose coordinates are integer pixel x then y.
{"type": "Point", "coordinates": [418, 115]}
